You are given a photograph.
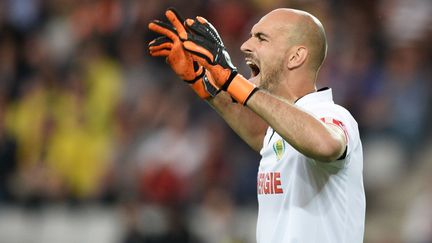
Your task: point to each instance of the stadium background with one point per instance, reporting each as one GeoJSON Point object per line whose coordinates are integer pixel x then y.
{"type": "Point", "coordinates": [101, 143]}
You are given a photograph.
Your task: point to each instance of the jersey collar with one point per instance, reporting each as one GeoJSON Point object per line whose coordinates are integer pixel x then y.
{"type": "Point", "coordinates": [322, 95]}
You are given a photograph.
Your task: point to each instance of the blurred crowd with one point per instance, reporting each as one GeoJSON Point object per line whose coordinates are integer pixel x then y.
{"type": "Point", "coordinates": [88, 117]}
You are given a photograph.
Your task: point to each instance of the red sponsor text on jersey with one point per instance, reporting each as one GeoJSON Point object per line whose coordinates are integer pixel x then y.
{"type": "Point", "coordinates": [269, 183]}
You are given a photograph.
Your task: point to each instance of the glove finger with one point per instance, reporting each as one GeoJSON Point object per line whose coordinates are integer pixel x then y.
{"type": "Point", "coordinates": [164, 29]}
{"type": "Point", "coordinates": [209, 28]}
{"type": "Point", "coordinates": [166, 45]}
{"type": "Point", "coordinates": [159, 41]}
{"type": "Point", "coordinates": [196, 27]}
{"type": "Point", "coordinates": [200, 54]}
{"type": "Point", "coordinates": [177, 21]}
{"type": "Point", "coordinates": [202, 45]}
{"type": "Point", "coordinates": [202, 27]}
{"type": "Point", "coordinates": [160, 53]}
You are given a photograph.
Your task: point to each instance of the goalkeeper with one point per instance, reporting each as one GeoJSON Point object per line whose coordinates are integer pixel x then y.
{"type": "Point", "coordinates": [309, 182]}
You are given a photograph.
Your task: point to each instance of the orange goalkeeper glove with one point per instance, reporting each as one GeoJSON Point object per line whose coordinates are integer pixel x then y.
{"type": "Point", "coordinates": [169, 45]}
{"type": "Point", "coordinates": [205, 43]}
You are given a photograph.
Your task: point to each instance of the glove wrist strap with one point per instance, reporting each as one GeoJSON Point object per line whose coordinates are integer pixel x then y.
{"type": "Point", "coordinates": [229, 80]}
{"type": "Point", "coordinates": [241, 89]}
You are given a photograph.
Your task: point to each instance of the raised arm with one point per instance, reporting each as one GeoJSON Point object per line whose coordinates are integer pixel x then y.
{"type": "Point", "coordinates": [248, 125]}
{"type": "Point", "coordinates": [311, 137]}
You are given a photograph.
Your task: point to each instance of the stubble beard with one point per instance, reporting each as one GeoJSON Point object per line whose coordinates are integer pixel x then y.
{"type": "Point", "coordinates": [272, 78]}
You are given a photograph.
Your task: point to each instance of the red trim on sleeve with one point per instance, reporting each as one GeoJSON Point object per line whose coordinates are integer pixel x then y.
{"type": "Point", "coordinates": [329, 120]}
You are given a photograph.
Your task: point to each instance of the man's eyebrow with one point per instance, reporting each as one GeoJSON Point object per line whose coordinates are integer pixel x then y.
{"type": "Point", "coordinates": [259, 34]}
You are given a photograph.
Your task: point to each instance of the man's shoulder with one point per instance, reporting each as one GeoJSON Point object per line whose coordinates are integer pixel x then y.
{"type": "Point", "coordinates": [330, 109]}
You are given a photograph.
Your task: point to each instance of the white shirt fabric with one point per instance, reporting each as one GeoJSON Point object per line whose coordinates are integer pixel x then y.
{"type": "Point", "coordinates": [302, 200]}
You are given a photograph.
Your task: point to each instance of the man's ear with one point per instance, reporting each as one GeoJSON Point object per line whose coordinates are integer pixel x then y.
{"type": "Point", "coordinates": [297, 57]}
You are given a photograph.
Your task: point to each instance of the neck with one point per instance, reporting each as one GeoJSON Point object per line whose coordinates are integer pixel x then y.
{"type": "Point", "coordinates": [293, 87]}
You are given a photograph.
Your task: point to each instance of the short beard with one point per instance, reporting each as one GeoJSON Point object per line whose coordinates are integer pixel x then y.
{"type": "Point", "coordinates": [272, 79]}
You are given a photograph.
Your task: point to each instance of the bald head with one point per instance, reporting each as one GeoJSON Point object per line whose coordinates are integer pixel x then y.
{"type": "Point", "coordinates": [301, 28]}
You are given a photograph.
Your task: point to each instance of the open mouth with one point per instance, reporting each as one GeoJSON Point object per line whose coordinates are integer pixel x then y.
{"type": "Point", "coordinates": [255, 70]}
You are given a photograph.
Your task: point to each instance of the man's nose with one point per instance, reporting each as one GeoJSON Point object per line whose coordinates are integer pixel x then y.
{"type": "Point", "coordinates": [246, 46]}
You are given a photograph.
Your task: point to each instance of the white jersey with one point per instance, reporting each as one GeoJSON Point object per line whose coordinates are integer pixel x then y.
{"type": "Point", "coordinates": [302, 200]}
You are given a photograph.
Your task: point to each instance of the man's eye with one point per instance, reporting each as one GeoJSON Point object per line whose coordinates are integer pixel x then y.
{"type": "Point", "coordinates": [259, 36]}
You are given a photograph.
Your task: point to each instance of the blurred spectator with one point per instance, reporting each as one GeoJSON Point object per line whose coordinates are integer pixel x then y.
{"type": "Point", "coordinates": [214, 221]}
{"type": "Point", "coordinates": [395, 14]}
{"type": "Point", "coordinates": [8, 160]}
{"type": "Point", "coordinates": [168, 157]}
{"type": "Point", "coordinates": [23, 14]}
{"type": "Point", "coordinates": [399, 104]}
{"type": "Point", "coordinates": [8, 66]}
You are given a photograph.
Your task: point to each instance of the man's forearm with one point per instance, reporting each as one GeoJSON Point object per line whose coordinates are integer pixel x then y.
{"type": "Point", "coordinates": [248, 125]}
{"type": "Point", "coordinates": [300, 129]}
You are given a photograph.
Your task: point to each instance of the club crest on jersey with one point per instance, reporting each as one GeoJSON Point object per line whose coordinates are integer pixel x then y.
{"type": "Point", "coordinates": [279, 148]}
